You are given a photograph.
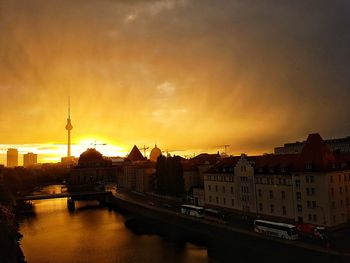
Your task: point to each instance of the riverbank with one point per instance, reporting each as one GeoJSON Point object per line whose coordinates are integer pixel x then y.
{"type": "Point", "coordinates": [225, 241]}
{"type": "Point", "coordinates": [10, 250]}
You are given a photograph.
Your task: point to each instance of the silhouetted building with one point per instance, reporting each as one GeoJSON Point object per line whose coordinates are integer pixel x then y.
{"type": "Point", "coordinates": [312, 186]}
{"type": "Point", "coordinates": [155, 153]}
{"type": "Point", "coordinates": [137, 172]}
{"type": "Point", "coordinates": [30, 159]}
{"type": "Point", "coordinates": [335, 145]}
{"type": "Point", "coordinates": [92, 169]}
{"type": "Point", "coordinates": [12, 157]}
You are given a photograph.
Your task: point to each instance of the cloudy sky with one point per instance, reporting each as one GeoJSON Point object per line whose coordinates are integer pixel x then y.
{"type": "Point", "coordinates": [185, 74]}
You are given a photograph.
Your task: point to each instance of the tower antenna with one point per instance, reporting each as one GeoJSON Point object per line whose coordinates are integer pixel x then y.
{"type": "Point", "coordinates": [69, 127]}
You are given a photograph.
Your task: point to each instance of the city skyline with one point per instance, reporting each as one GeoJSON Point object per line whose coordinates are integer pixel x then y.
{"type": "Point", "coordinates": [147, 72]}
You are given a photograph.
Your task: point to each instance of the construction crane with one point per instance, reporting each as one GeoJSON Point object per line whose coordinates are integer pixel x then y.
{"type": "Point", "coordinates": [144, 150]}
{"type": "Point", "coordinates": [95, 144]}
{"type": "Point", "coordinates": [225, 147]}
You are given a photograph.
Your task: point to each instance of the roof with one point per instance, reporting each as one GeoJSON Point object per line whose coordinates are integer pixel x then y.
{"type": "Point", "coordinates": [225, 165]}
{"type": "Point", "coordinates": [315, 156]}
{"type": "Point", "coordinates": [135, 155]}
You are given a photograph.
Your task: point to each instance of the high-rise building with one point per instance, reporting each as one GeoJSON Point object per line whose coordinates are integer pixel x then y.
{"type": "Point", "coordinates": [30, 159]}
{"type": "Point", "coordinates": [12, 157]}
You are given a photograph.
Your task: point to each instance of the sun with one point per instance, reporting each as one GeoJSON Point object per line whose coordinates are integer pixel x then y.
{"type": "Point", "coordinates": [103, 145]}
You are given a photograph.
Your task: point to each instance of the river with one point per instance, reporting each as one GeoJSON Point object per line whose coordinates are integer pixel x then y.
{"type": "Point", "coordinates": [94, 234]}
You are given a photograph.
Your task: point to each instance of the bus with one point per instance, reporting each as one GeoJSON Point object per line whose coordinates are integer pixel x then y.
{"type": "Point", "coordinates": [214, 215]}
{"type": "Point", "coordinates": [192, 210]}
{"type": "Point", "coordinates": [276, 229]}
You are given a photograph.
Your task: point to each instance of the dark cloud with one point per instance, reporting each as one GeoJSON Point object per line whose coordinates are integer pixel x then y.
{"type": "Point", "coordinates": [256, 72]}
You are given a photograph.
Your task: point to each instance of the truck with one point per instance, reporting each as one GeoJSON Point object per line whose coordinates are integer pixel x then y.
{"type": "Point", "coordinates": [311, 232]}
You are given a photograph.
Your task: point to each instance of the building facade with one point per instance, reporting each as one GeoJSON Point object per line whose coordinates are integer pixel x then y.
{"type": "Point", "coordinates": [12, 157]}
{"type": "Point", "coordinates": [30, 159]}
{"type": "Point", "coordinates": [311, 187]}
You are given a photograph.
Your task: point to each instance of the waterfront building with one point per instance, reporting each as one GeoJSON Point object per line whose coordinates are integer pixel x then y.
{"type": "Point", "coordinates": [30, 159]}
{"type": "Point", "coordinates": [137, 172]}
{"type": "Point", "coordinates": [12, 157]}
{"type": "Point", "coordinates": [312, 186]}
{"type": "Point", "coordinates": [91, 170]}
{"type": "Point", "coordinates": [335, 145]}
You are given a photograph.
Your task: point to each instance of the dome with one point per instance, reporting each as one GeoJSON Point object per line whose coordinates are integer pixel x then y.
{"type": "Point", "coordinates": [91, 157]}
{"type": "Point", "coordinates": [155, 153]}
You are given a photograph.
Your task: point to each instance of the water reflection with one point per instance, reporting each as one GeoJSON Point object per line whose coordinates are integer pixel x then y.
{"type": "Point", "coordinates": [96, 234]}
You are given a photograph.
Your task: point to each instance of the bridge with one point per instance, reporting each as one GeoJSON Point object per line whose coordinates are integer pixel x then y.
{"type": "Point", "coordinates": [74, 195]}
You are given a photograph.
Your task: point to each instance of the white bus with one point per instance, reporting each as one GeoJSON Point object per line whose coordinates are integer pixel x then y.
{"type": "Point", "coordinates": [192, 210]}
{"type": "Point", "coordinates": [281, 230]}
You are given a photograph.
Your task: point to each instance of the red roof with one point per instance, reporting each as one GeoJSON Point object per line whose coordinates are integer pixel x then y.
{"type": "Point", "coordinates": [135, 155]}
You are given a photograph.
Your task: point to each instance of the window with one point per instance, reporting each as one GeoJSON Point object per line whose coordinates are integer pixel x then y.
{"type": "Point", "coordinates": [224, 201]}
{"type": "Point", "coordinates": [308, 204]}
{"type": "Point", "coordinates": [283, 195]}
{"type": "Point", "coordinates": [312, 191]}
{"type": "Point", "coordinates": [259, 192]}
{"type": "Point", "coordinates": [272, 208]}
{"type": "Point", "coordinates": [311, 179]}
{"type": "Point", "coordinates": [307, 191]}
{"type": "Point", "coordinates": [298, 196]}
{"type": "Point", "coordinates": [216, 188]}
{"type": "Point", "coordinates": [279, 181]}
{"type": "Point", "coordinates": [315, 218]}
{"type": "Point", "coordinates": [223, 189]}
{"type": "Point", "coordinates": [307, 179]}
{"type": "Point", "coordinates": [284, 210]}
{"type": "Point", "coordinates": [314, 204]}
{"type": "Point", "coordinates": [310, 217]}
{"type": "Point", "coordinates": [260, 206]}
{"type": "Point", "coordinates": [271, 194]}
{"type": "Point", "coordinates": [209, 187]}
{"type": "Point", "coordinates": [232, 202]}
{"type": "Point", "coordinates": [210, 198]}
{"type": "Point", "coordinates": [299, 208]}
{"type": "Point", "coordinates": [297, 183]}
{"type": "Point", "coordinates": [231, 189]}
{"type": "Point", "coordinates": [217, 200]}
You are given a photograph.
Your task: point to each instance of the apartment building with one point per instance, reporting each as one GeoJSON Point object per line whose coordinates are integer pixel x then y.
{"type": "Point", "coordinates": [312, 186]}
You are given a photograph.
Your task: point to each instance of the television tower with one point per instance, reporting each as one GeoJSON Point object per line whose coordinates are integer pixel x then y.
{"type": "Point", "coordinates": [69, 127]}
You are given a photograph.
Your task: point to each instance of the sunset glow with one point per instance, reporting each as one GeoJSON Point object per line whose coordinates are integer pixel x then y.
{"type": "Point", "coordinates": [183, 74]}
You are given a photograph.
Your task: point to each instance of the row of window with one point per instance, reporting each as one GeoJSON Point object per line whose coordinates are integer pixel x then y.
{"type": "Point", "coordinates": [271, 194]}
{"type": "Point", "coordinates": [272, 209]}
{"type": "Point", "coordinates": [217, 200]}
{"type": "Point", "coordinates": [311, 204]}
{"type": "Point", "coordinates": [223, 189]}
{"type": "Point", "coordinates": [340, 190]}
{"type": "Point", "coordinates": [272, 181]}
{"type": "Point", "coordinates": [309, 179]}
{"type": "Point", "coordinates": [220, 178]}
{"type": "Point", "coordinates": [347, 203]}
{"type": "Point", "coordinates": [346, 178]}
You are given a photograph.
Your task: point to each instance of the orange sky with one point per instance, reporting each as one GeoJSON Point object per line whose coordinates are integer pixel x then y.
{"type": "Point", "coordinates": [185, 74]}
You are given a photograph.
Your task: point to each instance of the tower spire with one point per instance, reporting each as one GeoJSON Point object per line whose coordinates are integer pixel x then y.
{"type": "Point", "coordinates": [69, 127]}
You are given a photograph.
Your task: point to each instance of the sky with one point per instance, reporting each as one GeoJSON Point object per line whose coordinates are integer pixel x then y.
{"type": "Point", "coordinates": [189, 75]}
